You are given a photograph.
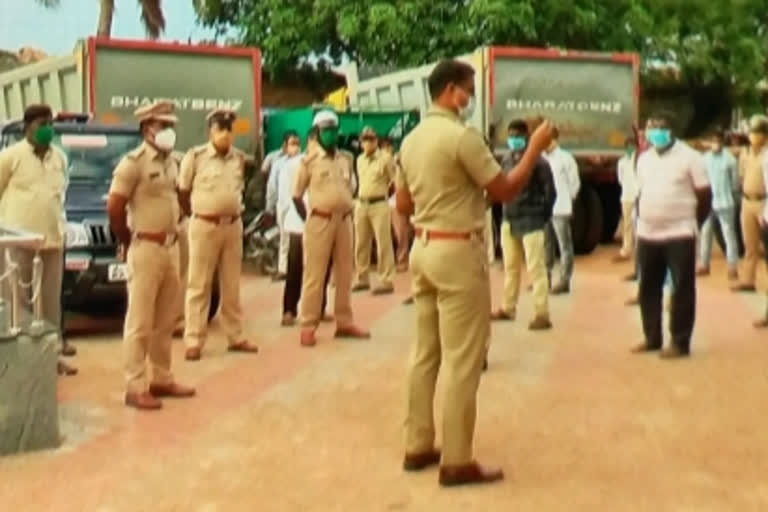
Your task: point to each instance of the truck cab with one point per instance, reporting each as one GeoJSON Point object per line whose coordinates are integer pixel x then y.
{"type": "Point", "coordinates": [92, 272]}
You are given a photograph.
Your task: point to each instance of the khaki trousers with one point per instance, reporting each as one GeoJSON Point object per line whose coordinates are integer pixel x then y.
{"type": "Point", "coordinates": [153, 285]}
{"type": "Point", "coordinates": [627, 229]}
{"type": "Point", "coordinates": [750, 230]}
{"type": "Point", "coordinates": [452, 334]}
{"type": "Point", "coordinates": [183, 268]}
{"type": "Point", "coordinates": [323, 239]}
{"type": "Point", "coordinates": [489, 235]}
{"type": "Point", "coordinates": [50, 288]}
{"type": "Point", "coordinates": [213, 246]}
{"type": "Point", "coordinates": [400, 225]}
{"type": "Point", "coordinates": [531, 249]}
{"type": "Point", "coordinates": [373, 220]}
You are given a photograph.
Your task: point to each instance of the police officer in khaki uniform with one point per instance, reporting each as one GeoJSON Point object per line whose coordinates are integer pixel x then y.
{"type": "Point", "coordinates": [753, 200]}
{"type": "Point", "coordinates": [376, 173]}
{"type": "Point", "coordinates": [445, 169]}
{"type": "Point", "coordinates": [144, 212]}
{"type": "Point", "coordinates": [327, 177]}
{"type": "Point", "coordinates": [211, 190]}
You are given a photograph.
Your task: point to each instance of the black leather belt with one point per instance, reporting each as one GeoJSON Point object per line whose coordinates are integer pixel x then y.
{"type": "Point", "coordinates": [372, 200]}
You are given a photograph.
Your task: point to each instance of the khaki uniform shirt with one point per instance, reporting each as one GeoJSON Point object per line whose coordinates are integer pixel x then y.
{"type": "Point", "coordinates": [375, 173]}
{"type": "Point", "coordinates": [328, 181]}
{"type": "Point", "coordinates": [148, 180]}
{"type": "Point", "coordinates": [751, 171]}
{"type": "Point", "coordinates": [446, 166]}
{"type": "Point", "coordinates": [216, 180]}
{"type": "Point", "coordinates": [32, 191]}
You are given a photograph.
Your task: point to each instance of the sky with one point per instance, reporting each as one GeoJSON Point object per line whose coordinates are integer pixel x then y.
{"type": "Point", "coordinates": [55, 31]}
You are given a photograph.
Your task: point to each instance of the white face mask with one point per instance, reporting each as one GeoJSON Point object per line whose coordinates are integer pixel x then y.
{"type": "Point", "coordinates": [165, 139]}
{"type": "Point", "coordinates": [465, 113]}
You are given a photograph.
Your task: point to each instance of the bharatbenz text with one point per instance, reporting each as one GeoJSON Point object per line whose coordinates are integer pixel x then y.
{"type": "Point", "coordinates": [203, 104]}
{"type": "Point", "coordinates": [605, 107]}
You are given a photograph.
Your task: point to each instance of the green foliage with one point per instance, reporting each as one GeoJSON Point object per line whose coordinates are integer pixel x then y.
{"type": "Point", "coordinates": [708, 43]}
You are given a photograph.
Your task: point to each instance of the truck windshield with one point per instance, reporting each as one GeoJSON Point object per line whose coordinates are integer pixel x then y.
{"type": "Point", "coordinates": [93, 156]}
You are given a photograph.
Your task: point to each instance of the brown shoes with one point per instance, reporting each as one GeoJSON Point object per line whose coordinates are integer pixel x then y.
{"type": "Point", "coordinates": [644, 348]}
{"type": "Point", "coordinates": [244, 346]}
{"type": "Point", "coordinates": [540, 323]}
{"type": "Point", "coordinates": [747, 288]}
{"type": "Point", "coordinates": [702, 271]}
{"type": "Point", "coordinates": [620, 258]}
{"type": "Point", "coordinates": [419, 461]}
{"type": "Point", "coordinates": [468, 474]}
{"type": "Point", "coordinates": [502, 316]}
{"type": "Point", "coordinates": [193, 354]}
{"type": "Point", "coordinates": [307, 338]}
{"type": "Point", "coordinates": [761, 323]}
{"type": "Point", "coordinates": [142, 401]}
{"type": "Point", "coordinates": [352, 332]}
{"type": "Point", "coordinates": [674, 352]}
{"type": "Point", "coordinates": [361, 287]}
{"type": "Point", "coordinates": [288, 320]}
{"type": "Point", "coordinates": [561, 288]}
{"type": "Point", "coordinates": [172, 390]}
{"type": "Point", "coordinates": [408, 301]}
{"type": "Point", "coordinates": [63, 368]}
{"type": "Point", "coordinates": [384, 290]}
{"type": "Point", "coordinates": [68, 350]}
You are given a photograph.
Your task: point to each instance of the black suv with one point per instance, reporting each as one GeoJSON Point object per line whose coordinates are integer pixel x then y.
{"type": "Point", "coordinates": [92, 272]}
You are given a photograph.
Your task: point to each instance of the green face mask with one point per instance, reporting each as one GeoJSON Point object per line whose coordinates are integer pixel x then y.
{"type": "Point", "coordinates": [329, 137]}
{"type": "Point", "coordinates": [43, 135]}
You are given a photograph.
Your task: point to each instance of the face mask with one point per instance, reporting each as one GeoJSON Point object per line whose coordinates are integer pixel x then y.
{"type": "Point", "coordinates": [329, 137]}
{"type": "Point", "coordinates": [165, 139]}
{"type": "Point", "coordinates": [628, 151]}
{"type": "Point", "coordinates": [516, 143]}
{"type": "Point", "coordinates": [658, 137]}
{"type": "Point", "coordinates": [222, 140]}
{"type": "Point", "coordinates": [43, 135]}
{"type": "Point", "coordinates": [465, 113]}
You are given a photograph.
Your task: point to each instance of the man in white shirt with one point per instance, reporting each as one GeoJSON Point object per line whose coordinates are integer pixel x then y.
{"type": "Point", "coordinates": [279, 199]}
{"type": "Point", "coordinates": [674, 199]}
{"type": "Point", "coordinates": [625, 172]}
{"type": "Point", "coordinates": [565, 172]}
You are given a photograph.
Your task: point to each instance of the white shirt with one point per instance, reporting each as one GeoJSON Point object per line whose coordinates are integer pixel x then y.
{"type": "Point", "coordinates": [565, 172]}
{"type": "Point", "coordinates": [279, 188]}
{"type": "Point", "coordinates": [627, 178]}
{"type": "Point", "coordinates": [292, 222]}
{"type": "Point", "coordinates": [667, 184]}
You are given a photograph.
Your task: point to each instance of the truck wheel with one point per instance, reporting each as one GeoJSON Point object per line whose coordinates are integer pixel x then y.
{"type": "Point", "coordinates": [587, 221]}
{"type": "Point", "coordinates": [215, 299]}
{"type": "Point", "coordinates": [610, 198]}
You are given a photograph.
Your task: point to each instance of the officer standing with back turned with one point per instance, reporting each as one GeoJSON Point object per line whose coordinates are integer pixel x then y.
{"type": "Point", "coordinates": [143, 210]}
{"type": "Point", "coordinates": [446, 170]}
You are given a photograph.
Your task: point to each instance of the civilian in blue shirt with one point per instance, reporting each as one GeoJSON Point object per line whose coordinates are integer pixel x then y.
{"type": "Point", "coordinates": [723, 172]}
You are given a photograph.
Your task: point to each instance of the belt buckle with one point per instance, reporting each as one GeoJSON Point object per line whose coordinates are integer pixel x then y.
{"type": "Point", "coordinates": [170, 239]}
{"type": "Point", "coordinates": [424, 236]}
{"type": "Point", "coordinates": [222, 220]}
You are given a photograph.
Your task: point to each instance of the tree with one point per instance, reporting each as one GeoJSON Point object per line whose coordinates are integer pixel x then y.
{"type": "Point", "coordinates": [151, 15]}
{"type": "Point", "coordinates": [707, 43]}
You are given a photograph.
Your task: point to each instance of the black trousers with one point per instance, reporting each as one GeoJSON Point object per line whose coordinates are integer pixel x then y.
{"type": "Point", "coordinates": [654, 258]}
{"type": "Point", "coordinates": [293, 279]}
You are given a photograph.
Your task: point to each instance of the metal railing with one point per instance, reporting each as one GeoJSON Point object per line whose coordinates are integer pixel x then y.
{"type": "Point", "coordinates": [12, 281]}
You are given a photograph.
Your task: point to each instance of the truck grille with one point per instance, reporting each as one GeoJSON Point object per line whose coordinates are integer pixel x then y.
{"type": "Point", "coordinates": [102, 236]}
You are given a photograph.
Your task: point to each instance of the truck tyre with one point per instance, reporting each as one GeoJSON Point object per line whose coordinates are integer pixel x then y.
{"type": "Point", "coordinates": [610, 198]}
{"type": "Point", "coordinates": [587, 221]}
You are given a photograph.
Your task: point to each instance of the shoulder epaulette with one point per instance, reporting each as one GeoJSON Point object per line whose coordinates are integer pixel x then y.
{"type": "Point", "coordinates": [136, 153]}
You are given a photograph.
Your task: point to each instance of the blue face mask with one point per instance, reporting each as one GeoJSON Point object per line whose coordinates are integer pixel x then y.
{"type": "Point", "coordinates": [516, 143]}
{"type": "Point", "coordinates": [658, 137]}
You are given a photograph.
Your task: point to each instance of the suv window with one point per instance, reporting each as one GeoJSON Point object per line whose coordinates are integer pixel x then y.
{"type": "Point", "coordinates": [93, 156]}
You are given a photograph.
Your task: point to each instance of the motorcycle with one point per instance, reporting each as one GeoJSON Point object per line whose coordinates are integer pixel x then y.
{"type": "Point", "coordinates": [261, 239]}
